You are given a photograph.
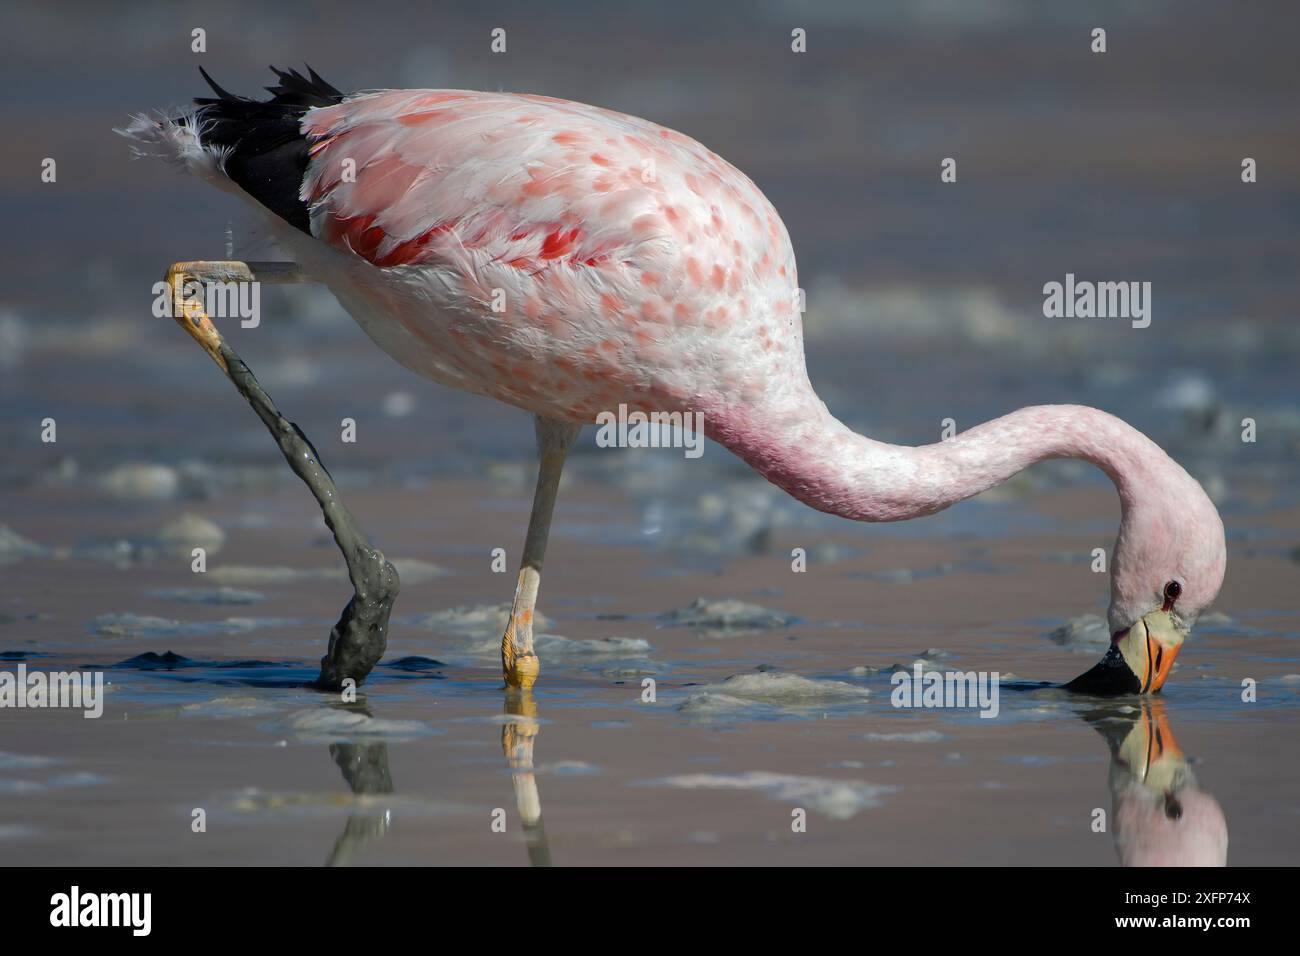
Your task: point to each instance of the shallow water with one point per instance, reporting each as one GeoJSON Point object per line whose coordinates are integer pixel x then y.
{"type": "Point", "coordinates": [772, 695]}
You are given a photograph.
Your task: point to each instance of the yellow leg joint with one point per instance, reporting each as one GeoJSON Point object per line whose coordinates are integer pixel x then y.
{"type": "Point", "coordinates": [188, 310]}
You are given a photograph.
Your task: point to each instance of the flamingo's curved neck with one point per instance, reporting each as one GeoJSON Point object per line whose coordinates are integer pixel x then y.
{"type": "Point", "coordinates": [801, 447]}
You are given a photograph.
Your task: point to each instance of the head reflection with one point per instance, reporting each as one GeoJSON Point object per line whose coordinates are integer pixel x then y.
{"type": "Point", "coordinates": [1159, 814]}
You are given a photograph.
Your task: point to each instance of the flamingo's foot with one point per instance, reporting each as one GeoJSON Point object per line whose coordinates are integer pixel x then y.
{"type": "Point", "coordinates": [522, 673]}
{"type": "Point", "coordinates": [519, 663]}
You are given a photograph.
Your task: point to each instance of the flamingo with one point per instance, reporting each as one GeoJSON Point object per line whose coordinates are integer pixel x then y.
{"type": "Point", "coordinates": [567, 259]}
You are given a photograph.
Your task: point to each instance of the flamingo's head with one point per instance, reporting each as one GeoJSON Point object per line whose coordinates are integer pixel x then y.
{"type": "Point", "coordinates": [1166, 569]}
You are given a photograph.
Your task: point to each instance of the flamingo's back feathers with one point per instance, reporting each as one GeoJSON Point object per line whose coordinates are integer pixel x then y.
{"type": "Point", "coordinates": [583, 255]}
{"type": "Point", "coordinates": [540, 181]}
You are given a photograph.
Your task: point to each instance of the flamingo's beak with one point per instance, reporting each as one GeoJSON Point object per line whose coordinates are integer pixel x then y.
{"type": "Point", "coordinates": [1163, 642]}
{"type": "Point", "coordinates": [1139, 660]}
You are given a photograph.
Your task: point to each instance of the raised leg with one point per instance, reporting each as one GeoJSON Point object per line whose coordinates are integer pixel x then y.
{"type": "Point", "coordinates": [359, 639]}
{"type": "Point", "coordinates": [518, 659]}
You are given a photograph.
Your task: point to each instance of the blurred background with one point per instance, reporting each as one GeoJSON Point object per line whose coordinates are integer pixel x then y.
{"type": "Point", "coordinates": [924, 298]}
{"type": "Point", "coordinates": [924, 302]}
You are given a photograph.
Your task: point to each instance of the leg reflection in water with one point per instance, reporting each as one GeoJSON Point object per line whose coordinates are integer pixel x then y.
{"type": "Point", "coordinates": [517, 739]}
{"type": "Point", "coordinates": [1160, 815]}
{"type": "Point", "coordinates": [365, 768]}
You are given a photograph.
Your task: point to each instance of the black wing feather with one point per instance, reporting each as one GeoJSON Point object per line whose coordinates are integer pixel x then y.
{"type": "Point", "coordinates": [265, 151]}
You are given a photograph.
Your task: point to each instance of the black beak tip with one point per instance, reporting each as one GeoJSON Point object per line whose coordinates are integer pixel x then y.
{"type": "Point", "coordinates": [1111, 677]}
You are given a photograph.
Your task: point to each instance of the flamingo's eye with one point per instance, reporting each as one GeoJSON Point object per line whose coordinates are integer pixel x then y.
{"type": "Point", "coordinates": [1173, 808]}
{"type": "Point", "coordinates": [1172, 590]}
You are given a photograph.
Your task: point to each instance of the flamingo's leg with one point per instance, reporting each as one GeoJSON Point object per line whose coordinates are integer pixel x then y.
{"type": "Point", "coordinates": [360, 637]}
{"type": "Point", "coordinates": [518, 659]}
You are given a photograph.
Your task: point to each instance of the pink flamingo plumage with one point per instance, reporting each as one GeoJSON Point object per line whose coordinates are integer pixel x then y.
{"type": "Point", "coordinates": [566, 259]}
